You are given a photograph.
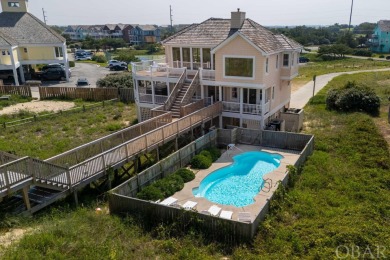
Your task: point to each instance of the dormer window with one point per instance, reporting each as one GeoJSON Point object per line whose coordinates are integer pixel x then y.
{"type": "Point", "coordinates": [14, 4]}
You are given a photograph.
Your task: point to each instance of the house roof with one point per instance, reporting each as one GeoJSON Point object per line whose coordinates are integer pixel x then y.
{"type": "Point", "coordinates": [214, 31]}
{"type": "Point", "coordinates": [147, 27]}
{"type": "Point", "coordinates": [384, 25]}
{"type": "Point", "coordinates": [25, 28]}
{"type": "Point", "coordinates": [111, 27]}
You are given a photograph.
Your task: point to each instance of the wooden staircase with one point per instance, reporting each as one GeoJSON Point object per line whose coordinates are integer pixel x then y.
{"type": "Point", "coordinates": [175, 109]}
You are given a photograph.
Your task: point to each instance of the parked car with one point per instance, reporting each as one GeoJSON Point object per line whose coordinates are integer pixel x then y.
{"type": "Point", "coordinates": [116, 62]}
{"type": "Point", "coordinates": [83, 57]}
{"type": "Point", "coordinates": [303, 59]}
{"type": "Point", "coordinates": [387, 57]}
{"type": "Point", "coordinates": [53, 74]}
{"type": "Point", "coordinates": [82, 82]}
{"type": "Point", "coordinates": [56, 65]}
{"type": "Point", "coordinates": [119, 67]}
{"type": "Point", "coordinates": [6, 74]}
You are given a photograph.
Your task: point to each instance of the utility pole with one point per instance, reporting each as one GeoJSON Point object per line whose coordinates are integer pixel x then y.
{"type": "Point", "coordinates": [350, 17]}
{"type": "Point", "coordinates": [44, 16]}
{"type": "Point", "coordinates": [170, 17]}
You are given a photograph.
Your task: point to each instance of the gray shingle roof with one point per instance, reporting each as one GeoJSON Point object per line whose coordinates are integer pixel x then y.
{"type": "Point", "coordinates": [25, 28]}
{"type": "Point", "coordinates": [384, 25]}
{"type": "Point", "coordinates": [214, 31]}
{"type": "Point", "coordinates": [147, 27]}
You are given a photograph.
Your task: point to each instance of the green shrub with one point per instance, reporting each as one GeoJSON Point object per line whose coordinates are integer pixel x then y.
{"type": "Point", "coordinates": [71, 63]}
{"type": "Point", "coordinates": [215, 153]}
{"type": "Point", "coordinates": [99, 58]}
{"type": "Point", "coordinates": [364, 53]}
{"type": "Point", "coordinates": [381, 56]}
{"type": "Point", "coordinates": [207, 154]}
{"type": "Point", "coordinates": [200, 162]}
{"type": "Point", "coordinates": [113, 127]}
{"type": "Point", "coordinates": [150, 192]}
{"type": "Point", "coordinates": [169, 185]}
{"type": "Point", "coordinates": [116, 80]}
{"type": "Point", "coordinates": [186, 174]}
{"type": "Point", "coordinates": [352, 98]}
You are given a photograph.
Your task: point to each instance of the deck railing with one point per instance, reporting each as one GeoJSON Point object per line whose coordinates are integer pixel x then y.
{"type": "Point", "coordinates": [191, 108]}
{"type": "Point", "coordinates": [208, 75]}
{"type": "Point", "coordinates": [7, 157]}
{"type": "Point", "coordinates": [145, 142]}
{"type": "Point", "coordinates": [83, 152]}
{"type": "Point", "coordinates": [14, 173]}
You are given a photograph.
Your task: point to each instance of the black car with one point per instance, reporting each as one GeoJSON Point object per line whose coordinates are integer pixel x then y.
{"type": "Point", "coordinates": [119, 67]}
{"type": "Point", "coordinates": [53, 74]}
{"type": "Point", "coordinates": [303, 60]}
{"type": "Point", "coordinates": [6, 74]}
{"type": "Point", "coordinates": [387, 57]}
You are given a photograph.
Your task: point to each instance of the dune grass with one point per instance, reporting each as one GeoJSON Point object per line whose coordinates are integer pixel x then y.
{"type": "Point", "coordinates": [340, 198]}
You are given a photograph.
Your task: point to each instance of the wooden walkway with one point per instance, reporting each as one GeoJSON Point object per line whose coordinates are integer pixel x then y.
{"type": "Point", "coordinates": [91, 161]}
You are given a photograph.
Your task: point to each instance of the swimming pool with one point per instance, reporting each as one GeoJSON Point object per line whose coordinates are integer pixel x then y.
{"type": "Point", "coordinates": [238, 183]}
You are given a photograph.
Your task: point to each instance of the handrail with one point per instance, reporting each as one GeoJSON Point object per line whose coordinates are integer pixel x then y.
{"type": "Point", "coordinates": [100, 162]}
{"type": "Point", "coordinates": [7, 157]}
{"type": "Point", "coordinates": [191, 90]}
{"type": "Point", "coordinates": [12, 176]}
{"type": "Point", "coordinates": [171, 99]}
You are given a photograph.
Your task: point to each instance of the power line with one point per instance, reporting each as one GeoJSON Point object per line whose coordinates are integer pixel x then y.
{"type": "Point", "coordinates": [350, 17]}
{"type": "Point", "coordinates": [44, 16]}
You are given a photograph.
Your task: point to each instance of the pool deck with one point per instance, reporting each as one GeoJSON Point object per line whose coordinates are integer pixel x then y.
{"type": "Point", "coordinates": [290, 157]}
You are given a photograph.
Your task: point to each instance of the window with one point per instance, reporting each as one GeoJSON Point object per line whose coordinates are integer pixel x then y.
{"type": "Point", "coordinates": [266, 65]}
{"type": "Point", "coordinates": [234, 93]}
{"type": "Point", "coordinates": [277, 61]}
{"type": "Point", "coordinates": [273, 93]}
{"type": "Point", "coordinates": [25, 50]}
{"type": "Point", "coordinates": [3, 53]}
{"type": "Point", "coordinates": [286, 58]}
{"type": "Point", "coordinates": [186, 58]}
{"type": "Point", "coordinates": [58, 51]}
{"type": "Point", "coordinates": [13, 4]}
{"type": "Point", "coordinates": [239, 67]}
{"type": "Point", "coordinates": [292, 59]}
{"type": "Point", "coordinates": [206, 58]}
{"type": "Point", "coordinates": [176, 54]}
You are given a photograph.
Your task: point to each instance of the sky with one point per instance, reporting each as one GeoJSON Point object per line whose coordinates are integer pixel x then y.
{"type": "Point", "coordinates": [267, 13]}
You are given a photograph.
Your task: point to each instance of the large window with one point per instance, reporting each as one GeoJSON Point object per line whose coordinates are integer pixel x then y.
{"type": "Point", "coordinates": [239, 67]}
{"type": "Point", "coordinates": [58, 51]}
{"type": "Point", "coordinates": [266, 65]}
{"type": "Point", "coordinates": [206, 58]}
{"type": "Point", "coordinates": [286, 59]}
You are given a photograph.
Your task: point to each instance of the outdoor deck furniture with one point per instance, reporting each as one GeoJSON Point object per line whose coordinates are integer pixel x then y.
{"type": "Point", "coordinates": [168, 201]}
{"type": "Point", "coordinates": [226, 214]}
{"type": "Point", "coordinates": [214, 210]}
{"type": "Point", "coordinates": [5, 97]}
{"type": "Point", "coordinates": [244, 217]}
{"type": "Point", "coordinates": [189, 205]}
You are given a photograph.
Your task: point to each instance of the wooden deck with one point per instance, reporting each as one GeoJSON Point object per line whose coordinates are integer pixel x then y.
{"type": "Point", "coordinates": [96, 157]}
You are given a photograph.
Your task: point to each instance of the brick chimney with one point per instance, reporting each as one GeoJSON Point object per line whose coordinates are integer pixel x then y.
{"type": "Point", "coordinates": [237, 19]}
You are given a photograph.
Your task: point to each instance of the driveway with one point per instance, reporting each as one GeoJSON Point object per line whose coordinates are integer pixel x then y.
{"type": "Point", "coordinates": [302, 96]}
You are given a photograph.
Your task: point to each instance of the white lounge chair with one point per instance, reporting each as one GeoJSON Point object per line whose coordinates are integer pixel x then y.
{"type": "Point", "coordinates": [214, 210]}
{"type": "Point", "coordinates": [226, 214]}
{"type": "Point", "coordinates": [189, 205]}
{"type": "Point", "coordinates": [245, 217]}
{"type": "Point", "coordinates": [168, 201]}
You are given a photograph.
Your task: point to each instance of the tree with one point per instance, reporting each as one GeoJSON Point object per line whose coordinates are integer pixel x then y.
{"type": "Point", "coordinates": [336, 50]}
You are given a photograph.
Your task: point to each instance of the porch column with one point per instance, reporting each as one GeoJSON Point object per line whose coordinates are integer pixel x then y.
{"type": "Point", "coordinates": [65, 58]}
{"type": "Point", "coordinates": [11, 53]}
{"type": "Point", "coordinates": [201, 58]}
{"type": "Point", "coordinates": [201, 91]}
{"type": "Point", "coordinates": [192, 66]}
{"type": "Point", "coordinates": [220, 93]}
{"type": "Point", "coordinates": [151, 82]}
{"type": "Point", "coordinates": [262, 126]}
{"type": "Point", "coordinates": [181, 57]}
{"type": "Point", "coordinates": [241, 104]}
{"type": "Point", "coordinates": [21, 72]}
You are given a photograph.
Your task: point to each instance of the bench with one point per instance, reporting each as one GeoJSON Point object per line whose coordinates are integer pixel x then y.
{"type": "Point", "coordinates": [5, 97]}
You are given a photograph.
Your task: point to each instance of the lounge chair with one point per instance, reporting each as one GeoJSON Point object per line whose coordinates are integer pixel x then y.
{"type": "Point", "coordinates": [169, 201]}
{"type": "Point", "coordinates": [245, 217]}
{"type": "Point", "coordinates": [214, 210]}
{"type": "Point", "coordinates": [189, 205]}
{"type": "Point", "coordinates": [226, 214]}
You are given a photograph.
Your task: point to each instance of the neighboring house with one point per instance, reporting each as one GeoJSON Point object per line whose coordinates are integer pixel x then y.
{"type": "Point", "coordinates": [26, 41]}
{"type": "Point", "coordinates": [380, 40]}
{"type": "Point", "coordinates": [235, 61]}
{"type": "Point", "coordinates": [126, 31]}
{"type": "Point", "coordinates": [142, 34]}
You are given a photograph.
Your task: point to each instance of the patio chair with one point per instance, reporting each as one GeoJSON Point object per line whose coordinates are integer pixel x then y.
{"type": "Point", "coordinates": [169, 201]}
{"type": "Point", "coordinates": [244, 217]}
{"type": "Point", "coordinates": [226, 214]}
{"type": "Point", "coordinates": [189, 205]}
{"type": "Point", "coordinates": [214, 210]}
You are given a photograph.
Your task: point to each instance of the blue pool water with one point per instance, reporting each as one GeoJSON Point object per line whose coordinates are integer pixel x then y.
{"type": "Point", "coordinates": [238, 183]}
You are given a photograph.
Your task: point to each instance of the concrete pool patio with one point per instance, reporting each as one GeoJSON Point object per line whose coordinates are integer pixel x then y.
{"type": "Point", "coordinates": [260, 200]}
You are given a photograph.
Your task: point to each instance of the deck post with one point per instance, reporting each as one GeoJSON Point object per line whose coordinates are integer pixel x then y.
{"type": "Point", "coordinates": [68, 177]}
{"type": "Point", "coordinates": [158, 153]}
{"type": "Point", "coordinates": [177, 143]}
{"type": "Point", "coordinates": [76, 199]}
{"type": "Point", "coordinates": [25, 197]}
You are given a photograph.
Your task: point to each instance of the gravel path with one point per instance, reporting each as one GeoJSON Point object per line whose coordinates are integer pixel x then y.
{"type": "Point", "coordinates": [37, 106]}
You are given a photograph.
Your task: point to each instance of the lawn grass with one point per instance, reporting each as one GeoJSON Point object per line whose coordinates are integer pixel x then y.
{"type": "Point", "coordinates": [49, 137]}
{"type": "Point", "coordinates": [316, 66]}
{"type": "Point", "coordinates": [340, 198]}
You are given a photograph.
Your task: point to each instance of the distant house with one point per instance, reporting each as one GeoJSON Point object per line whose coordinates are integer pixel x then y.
{"type": "Point", "coordinates": [26, 41]}
{"type": "Point", "coordinates": [380, 40]}
{"type": "Point", "coordinates": [142, 34]}
{"type": "Point", "coordinates": [234, 61]}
